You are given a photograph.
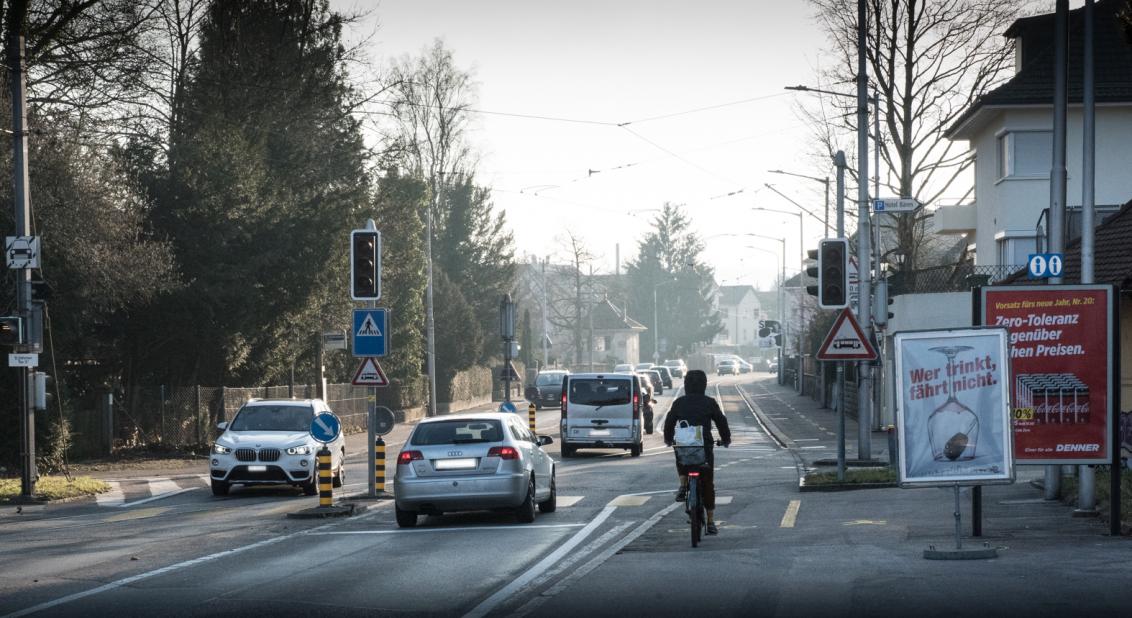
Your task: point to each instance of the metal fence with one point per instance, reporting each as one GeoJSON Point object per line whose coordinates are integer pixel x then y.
{"type": "Point", "coordinates": [951, 278]}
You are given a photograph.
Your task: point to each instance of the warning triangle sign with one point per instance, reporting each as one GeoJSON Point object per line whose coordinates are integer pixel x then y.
{"type": "Point", "coordinates": [369, 327]}
{"type": "Point", "coordinates": [846, 341]}
{"type": "Point", "coordinates": [370, 374]}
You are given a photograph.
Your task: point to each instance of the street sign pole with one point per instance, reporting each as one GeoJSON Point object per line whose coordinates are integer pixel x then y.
{"type": "Point", "coordinates": [371, 421]}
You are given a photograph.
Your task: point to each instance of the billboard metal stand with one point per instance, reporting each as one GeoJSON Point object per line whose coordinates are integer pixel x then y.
{"type": "Point", "coordinates": [959, 553]}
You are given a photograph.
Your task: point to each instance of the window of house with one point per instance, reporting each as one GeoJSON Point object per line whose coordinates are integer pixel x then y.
{"type": "Point", "coordinates": [1024, 154]}
{"type": "Point", "coordinates": [1015, 247]}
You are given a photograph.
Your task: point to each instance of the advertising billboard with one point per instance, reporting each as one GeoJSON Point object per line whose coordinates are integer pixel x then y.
{"type": "Point", "coordinates": [1061, 361]}
{"type": "Point", "coordinates": [953, 407]}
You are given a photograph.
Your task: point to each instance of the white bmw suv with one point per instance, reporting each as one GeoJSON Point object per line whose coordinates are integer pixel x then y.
{"type": "Point", "coordinates": [269, 443]}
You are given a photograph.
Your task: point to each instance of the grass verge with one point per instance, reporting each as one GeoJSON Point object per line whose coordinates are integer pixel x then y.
{"type": "Point", "coordinates": [853, 476]}
{"type": "Point", "coordinates": [55, 487]}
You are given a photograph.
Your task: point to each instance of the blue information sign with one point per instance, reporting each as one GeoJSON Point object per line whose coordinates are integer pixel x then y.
{"type": "Point", "coordinates": [1043, 265]}
{"type": "Point", "coordinates": [370, 332]}
{"type": "Point", "coordinates": [507, 406]}
{"type": "Point", "coordinates": [325, 428]}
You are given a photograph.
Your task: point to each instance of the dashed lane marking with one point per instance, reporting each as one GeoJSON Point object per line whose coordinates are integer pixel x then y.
{"type": "Point", "coordinates": [865, 522]}
{"type": "Point", "coordinates": [791, 514]}
{"type": "Point", "coordinates": [806, 439]}
{"type": "Point", "coordinates": [628, 500]}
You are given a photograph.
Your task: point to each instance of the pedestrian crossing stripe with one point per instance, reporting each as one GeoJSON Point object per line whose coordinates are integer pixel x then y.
{"type": "Point", "coordinates": [369, 327]}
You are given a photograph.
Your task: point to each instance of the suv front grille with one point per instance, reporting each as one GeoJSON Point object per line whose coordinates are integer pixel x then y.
{"type": "Point", "coordinates": [245, 454]}
{"type": "Point", "coordinates": [269, 454]}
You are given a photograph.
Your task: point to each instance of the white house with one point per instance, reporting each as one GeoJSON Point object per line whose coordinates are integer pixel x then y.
{"type": "Point", "coordinates": [739, 311]}
{"type": "Point", "coordinates": [1010, 130]}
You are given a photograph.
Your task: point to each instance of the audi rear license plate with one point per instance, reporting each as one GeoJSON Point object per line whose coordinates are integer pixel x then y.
{"type": "Point", "coordinates": [455, 464]}
{"type": "Point", "coordinates": [257, 468]}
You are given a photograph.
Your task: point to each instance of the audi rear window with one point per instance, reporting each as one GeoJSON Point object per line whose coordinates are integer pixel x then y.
{"type": "Point", "coordinates": [600, 391]}
{"type": "Point", "coordinates": [457, 432]}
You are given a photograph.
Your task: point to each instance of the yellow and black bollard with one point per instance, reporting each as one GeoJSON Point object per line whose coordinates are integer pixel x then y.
{"type": "Point", "coordinates": [531, 412]}
{"type": "Point", "coordinates": [325, 482]}
{"type": "Point", "coordinates": [379, 465]}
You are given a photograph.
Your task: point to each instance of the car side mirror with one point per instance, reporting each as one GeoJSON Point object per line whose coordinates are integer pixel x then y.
{"type": "Point", "coordinates": [544, 440]}
{"type": "Point", "coordinates": [222, 425]}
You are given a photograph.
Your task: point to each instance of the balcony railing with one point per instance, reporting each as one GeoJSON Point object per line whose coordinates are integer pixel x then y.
{"type": "Point", "coordinates": [951, 278]}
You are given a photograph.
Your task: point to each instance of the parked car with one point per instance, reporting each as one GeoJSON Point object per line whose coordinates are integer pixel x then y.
{"type": "Point", "coordinates": [657, 381]}
{"type": "Point", "coordinates": [547, 389]}
{"type": "Point", "coordinates": [602, 411]}
{"type": "Point", "coordinates": [623, 368]}
{"type": "Point", "coordinates": [472, 462]}
{"type": "Point", "coordinates": [268, 442]}
{"type": "Point", "coordinates": [665, 375]}
{"type": "Point", "coordinates": [648, 401]}
{"type": "Point", "coordinates": [677, 367]}
{"type": "Point", "coordinates": [727, 367]}
{"type": "Point", "coordinates": [772, 366]}
{"type": "Point", "coordinates": [744, 366]}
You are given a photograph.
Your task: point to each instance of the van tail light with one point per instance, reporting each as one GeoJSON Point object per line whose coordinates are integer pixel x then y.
{"type": "Point", "coordinates": [406, 456]}
{"type": "Point", "coordinates": [503, 452]}
{"type": "Point", "coordinates": [636, 406]}
{"type": "Point", "coordinates": [563, 404]}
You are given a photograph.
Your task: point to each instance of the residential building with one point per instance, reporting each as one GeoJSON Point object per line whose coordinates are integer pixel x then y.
{"type": "Point", "coordinates": [739, 311]}
{"type": "Point", "coordinates": [1010, 131]}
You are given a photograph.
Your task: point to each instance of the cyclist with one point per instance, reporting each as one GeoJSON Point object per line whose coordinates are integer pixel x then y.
{"type": "Point", "coordinates": [698, 409]}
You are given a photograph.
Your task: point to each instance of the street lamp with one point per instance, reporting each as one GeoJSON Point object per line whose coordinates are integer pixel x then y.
{"type": "Point", "coordinates": [824, 181]}
{"type": "Point", "coordinates": [781, 291]}
{"type": "Point", "coordinates": [801, 269]}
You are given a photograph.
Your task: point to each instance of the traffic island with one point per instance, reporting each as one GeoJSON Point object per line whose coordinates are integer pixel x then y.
{"type": "Point", "coordinates": [347, 509]}
{"type": "Point", "coordinates": [855, 478]}
{"type": "Point", "coordinates": [381, 495]}
{"type": "Point", "coordinates": [961, 553]}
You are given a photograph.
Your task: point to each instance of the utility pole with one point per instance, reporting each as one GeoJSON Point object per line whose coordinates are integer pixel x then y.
{"type": "Point", "coordinates": [839, 161]}
{"type": "Point", "coordinates": [1087, 478]}
{"type": "Point", "coordinates": [545, 335]}
{"type": "Point", "coordinates": [1057, 177]}
{"type": "Point", "coordinates": [864, 253]}
{"type": "Point", "coordinates": [22, 207]}
{"type": "Point", "coordinates": [430, 324]}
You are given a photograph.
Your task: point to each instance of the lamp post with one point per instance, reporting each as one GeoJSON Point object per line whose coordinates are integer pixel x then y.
{"type": "Point", "coordinates": [824, 181]}
{"type": "Point", "coordinates": [781, 288]}
{"type": "Point", "coordinates": [801, 269]}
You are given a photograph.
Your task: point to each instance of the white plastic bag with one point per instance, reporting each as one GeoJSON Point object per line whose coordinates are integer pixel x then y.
{"type": "Point", "coordinates": [689, 435]}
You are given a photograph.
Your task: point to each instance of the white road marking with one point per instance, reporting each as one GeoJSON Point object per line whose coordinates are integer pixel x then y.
{"type": "Point", "coordinates": [791, 514]}
{"type": "Point", "coordinates": [163, 486]}
{"type": "Point", "coordinates": [723, 500]}
{"type": "Point", "coordinates": [171, 568]}
{"type": "Point", "coordinates": [807, 439]}
{"type": "Point", "coordinates": [810, 447]}
{"type": "Point", "coordinates": [161, 497]}
{"type": "Point", "coordinates": [629, 500]}
{"type": "Point", "coordinates": [567, 501]}
{"type": "Point", "coordinates": [610, 535]}
{"type": "Point", "coordinates": [517, 528]}
{"type": "Point", "coordinates": [114, 497]}
{"type": "Point", "coordinates": [598, 560]}
{"type": "Point", "coordinates": [518, 583]}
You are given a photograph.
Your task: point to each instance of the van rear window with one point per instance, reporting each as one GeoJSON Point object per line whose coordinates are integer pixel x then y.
{"type": "Point", "coordinates": [600, 392]}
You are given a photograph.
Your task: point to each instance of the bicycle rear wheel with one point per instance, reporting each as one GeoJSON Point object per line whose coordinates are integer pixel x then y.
{"type": "Point", "coordinates": [694, 509]}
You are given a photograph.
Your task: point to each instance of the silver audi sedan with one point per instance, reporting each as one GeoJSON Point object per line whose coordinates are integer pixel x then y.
{"type": "Point", "coordinates": [472, 462]}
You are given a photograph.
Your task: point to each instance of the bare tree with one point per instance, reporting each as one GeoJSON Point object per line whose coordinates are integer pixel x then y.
{"type": "Point", "coordinates": [928, 62]}
{"type": "Point", "coordinates": [566, 303]}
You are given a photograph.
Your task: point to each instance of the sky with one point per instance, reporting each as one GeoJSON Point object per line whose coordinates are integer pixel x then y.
{"type": "Point", "coordinates": [587, 66]}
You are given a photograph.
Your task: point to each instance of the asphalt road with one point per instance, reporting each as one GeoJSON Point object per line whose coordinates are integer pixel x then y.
{"type": "Point", "coordinates": [617, 546]}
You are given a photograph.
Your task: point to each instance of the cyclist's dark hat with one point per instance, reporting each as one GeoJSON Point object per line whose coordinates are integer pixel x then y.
{"type": "Point", "coordinates": [695, 382]}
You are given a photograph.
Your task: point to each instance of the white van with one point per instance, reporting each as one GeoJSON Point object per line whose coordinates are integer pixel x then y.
{"type": "Point", "coordinates": [601, 411]}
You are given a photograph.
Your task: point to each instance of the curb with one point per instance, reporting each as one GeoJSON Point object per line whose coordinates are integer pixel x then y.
{"type": "Point", "coordinates": [336, 510]}
{"type": "Point", "coordinates": [803, 487]}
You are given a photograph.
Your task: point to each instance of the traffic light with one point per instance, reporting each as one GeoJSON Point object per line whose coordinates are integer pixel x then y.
{"type": "Point", "coordinates": [365, 265]}
{"type": "Point", "coordinates": [811, 271]}
{"type": "Point", "coordinates": [11, 330]}
{"type": "Point", "coordinates": [833, 273]}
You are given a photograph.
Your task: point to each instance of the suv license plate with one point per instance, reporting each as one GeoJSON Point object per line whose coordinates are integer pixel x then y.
{"type": "Point", "coordinates": [257, 468]}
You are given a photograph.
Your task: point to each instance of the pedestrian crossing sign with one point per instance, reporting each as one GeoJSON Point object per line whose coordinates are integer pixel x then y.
{"type": "Point", "coordinates": [371, 332]}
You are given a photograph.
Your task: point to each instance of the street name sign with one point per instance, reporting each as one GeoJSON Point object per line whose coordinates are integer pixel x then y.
{"type": "Point", "coordinates": [896, 204]}
{"type": "Point", "coordinates": [23, 360]}
{"type": "Point", "coordinates": [370, 332]}
{"type": "Point", "coordinates": [325, 427]}
{"type": "Point", "coordinates": [370, 373]}
{"type": "Point", "coordinates": [846, 341]}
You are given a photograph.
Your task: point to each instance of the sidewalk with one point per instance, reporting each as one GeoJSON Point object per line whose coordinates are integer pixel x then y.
{"type": "Point", "coordinates": [1009, 511]}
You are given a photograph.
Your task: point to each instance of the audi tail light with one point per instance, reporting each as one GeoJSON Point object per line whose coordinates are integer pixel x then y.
{"type": "Point", "coordinates": [407, 456]}
{"type": "Point", "coordinates": [503, 452]}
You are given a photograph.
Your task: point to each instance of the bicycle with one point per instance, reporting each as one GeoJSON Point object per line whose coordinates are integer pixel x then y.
{"type": "Point", "coordinates": [694, 460]}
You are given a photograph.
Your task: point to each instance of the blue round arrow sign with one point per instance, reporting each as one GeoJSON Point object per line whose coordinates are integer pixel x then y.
{"type": "Point", "coordinates": [325, 428]}
{"type": "Point", "coordinates": [507, 406]}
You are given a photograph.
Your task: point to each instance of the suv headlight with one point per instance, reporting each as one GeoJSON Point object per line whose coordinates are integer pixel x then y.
{"type": "Point", "coordinates": [220, 449]}
{"type": "Point", "coordinates": [303, 449]}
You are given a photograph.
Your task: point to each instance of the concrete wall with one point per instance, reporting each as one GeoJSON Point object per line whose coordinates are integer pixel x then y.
{"type": "Point", "coordinates": [1016, 203]}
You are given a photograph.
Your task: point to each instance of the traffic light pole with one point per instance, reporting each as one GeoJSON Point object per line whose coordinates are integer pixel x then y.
{"type": "Point", "coordinates": [864, 253]}
{"type": "Point", "coordinates": [839, 161]}
{"type": "Point", "coordinates": [22, 207]}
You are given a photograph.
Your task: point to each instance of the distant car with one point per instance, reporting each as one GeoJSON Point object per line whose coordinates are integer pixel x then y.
{"type": "Point", "coordinates": [657, 381]}
{"type": "Point", "coordinates": [677, 367]}
{"type": "Point", "coordinates": [268, 442]}
{"type": "Point", "coordinates": [744, 366]}
{"type": "Point", "coordinates": [665, 375]}
{"type": "Point", "coordinates": [759, 364]}
{"type": "Point", "coordinates": [547, 389]}
{"type": "Point", "coordinates": [623, 368]}
{"type": "Point", "coordinates": [772, 366]}
{"type": "Point", "coordinates": [727, 367]}
{"type": "Point", "coordinates": [472, 462]}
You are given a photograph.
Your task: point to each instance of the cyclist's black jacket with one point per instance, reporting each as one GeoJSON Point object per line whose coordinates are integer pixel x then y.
{"type": "Point", "coordinates": [697, 410]}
